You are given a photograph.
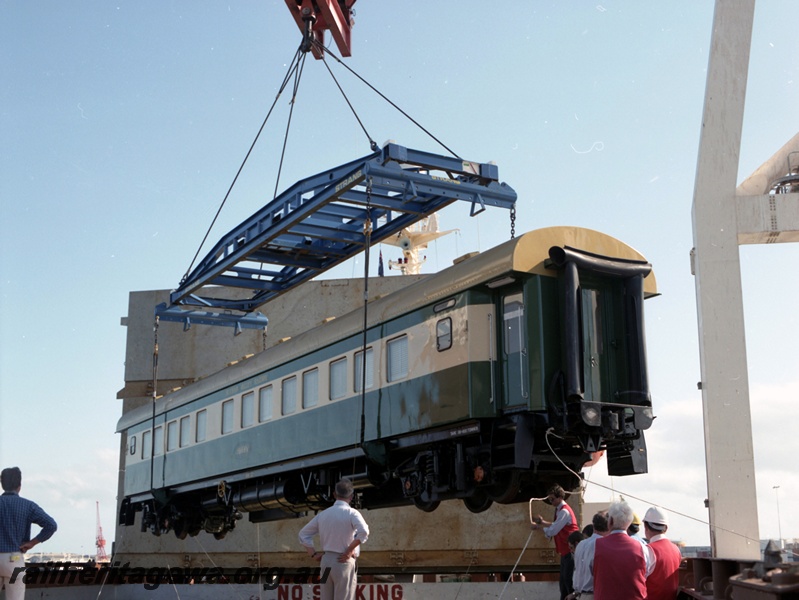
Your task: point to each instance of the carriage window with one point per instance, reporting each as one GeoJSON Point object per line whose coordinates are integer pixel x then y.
{"type": "Point", "coordinates": [310, 388]}
{"type": "Point", "coordinates": [265, 404]}
{"type": "Point", "coordinates": [514, 316]}
{"type": "Point", "coordinates": [247, 409]}
{"type": "Point", "coordinates": [444, 305]}
{"type": "Point", "coordinates": [289, 396]}
{"type": "Point", "coordinates": [146, 444]}
{"type": "Point", "coordinates": [227, 416]}
{"type": "Point", "coordinates": [593, 345]}
{"type": "Point", "coordinates": [172, 436]}
{"type": "Point", "coordinates": [359, 369]}
{"type": "Point", "coordinates": [202, 421]}
{"type": "Point", "coordinates": [158, 441]}
{"type": "Point", "coordinates": [338, 378]}
{"type": "Point", "coordinates": [185, 431]}
{"type": "Point", "coordinates": [132, 445]}
{"type": "Point", "coordinates": [444, 334]}
{"type": "Point", "coordinates": [397, 357]}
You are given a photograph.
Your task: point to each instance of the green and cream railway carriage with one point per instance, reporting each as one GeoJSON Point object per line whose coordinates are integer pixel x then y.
{"type": "Point", "coordinates": [478, 382]}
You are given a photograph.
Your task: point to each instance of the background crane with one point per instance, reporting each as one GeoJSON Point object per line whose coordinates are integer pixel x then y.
{"type": "Point", "coordinates": [102, 556]}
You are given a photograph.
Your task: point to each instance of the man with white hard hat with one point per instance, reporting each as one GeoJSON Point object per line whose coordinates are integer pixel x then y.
{"type": "Point", "coordinates": [664, 581]}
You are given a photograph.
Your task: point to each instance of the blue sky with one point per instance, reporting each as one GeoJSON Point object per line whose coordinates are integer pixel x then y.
{"type": "Point", "coordinates": [123, 123]}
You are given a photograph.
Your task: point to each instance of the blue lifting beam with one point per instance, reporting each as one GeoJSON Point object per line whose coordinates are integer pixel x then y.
{"type": "Point", "coordinates": [319, 222]}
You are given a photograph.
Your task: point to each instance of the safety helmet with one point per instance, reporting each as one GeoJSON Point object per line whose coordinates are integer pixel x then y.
{"type": "Point", "coordinates": [656, 516]}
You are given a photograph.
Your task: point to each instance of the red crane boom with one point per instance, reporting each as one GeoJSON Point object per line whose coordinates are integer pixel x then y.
{"type": "Point", "coordinates": [321, 15]}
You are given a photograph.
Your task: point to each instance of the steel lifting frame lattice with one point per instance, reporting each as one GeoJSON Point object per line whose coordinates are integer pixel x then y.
{"type": "Point", "coordinates": [319, 222]}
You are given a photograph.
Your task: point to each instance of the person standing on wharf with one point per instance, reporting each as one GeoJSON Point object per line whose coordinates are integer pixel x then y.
{"type": "Point", "coordinates": [560, 528]}
{"type": "Point", "coordinates": [16, 516]}
{"type": "Point", "coordinates": [341, 530]}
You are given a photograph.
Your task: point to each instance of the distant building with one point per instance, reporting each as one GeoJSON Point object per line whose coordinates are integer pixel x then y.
{"type": "Point", "coordinates": [62, 557]}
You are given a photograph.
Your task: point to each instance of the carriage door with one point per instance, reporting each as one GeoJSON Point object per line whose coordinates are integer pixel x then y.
{"type": "Point", "coordinates": [515, 376]}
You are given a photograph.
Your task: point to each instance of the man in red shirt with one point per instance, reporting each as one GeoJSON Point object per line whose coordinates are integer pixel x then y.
{"type": "Point", "coordinates": [621, 563]}
{"type": "Point", "coordinates": [664, 582]}
{"type": "Point", "coordinates": [559, 528]}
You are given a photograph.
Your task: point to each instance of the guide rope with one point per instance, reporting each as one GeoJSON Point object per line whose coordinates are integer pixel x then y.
{"type": "Point", "coordinates": [644, 500]}
{"type": "Point", "coordinates": [513, 570]}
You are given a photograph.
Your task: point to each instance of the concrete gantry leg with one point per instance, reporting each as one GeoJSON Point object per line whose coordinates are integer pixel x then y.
{"type": "Point", "coordinates": [725, 384]}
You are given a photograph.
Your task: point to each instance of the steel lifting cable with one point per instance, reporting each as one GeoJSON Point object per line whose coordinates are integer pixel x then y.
{"type": "Point", "coordinates": [155, 398]}
{"type": "Point", "coordinates": [295, 63]}
{"type": "Point", "coordinates": [367, 234]}
{"type": "Point", "coordinates": [384, 97]}
{"type": "Point", "coordinates": [297, 77]}
{"type": "Point", "coordinates": [372, 143]}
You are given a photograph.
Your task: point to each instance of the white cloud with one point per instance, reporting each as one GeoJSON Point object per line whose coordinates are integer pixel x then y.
{"type": "Point", "coordinates": [69, 494]}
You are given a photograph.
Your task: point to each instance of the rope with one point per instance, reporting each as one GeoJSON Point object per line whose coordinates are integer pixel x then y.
{"type": "Point", "coordinates": [383, 96]}
{"type": "Point", "coordinates": [292, 68]}
{"type": "Point", "coordinates": [645, 501]}
{"type": "Point", "coordinates": [171, 580]}
{"type": "Point", "coordinates": [477, 544]}
{"type": "Point", "coordinates": [510, 577]}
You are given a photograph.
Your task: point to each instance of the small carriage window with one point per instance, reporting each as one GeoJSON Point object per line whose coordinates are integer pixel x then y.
{"type": "Point", "coordinates": [338, 378]}
{"type": "Point", "coordinates": [172, 436]}
{"type": "Point", "coordinates": [132, 445]}
{"type": "Point", "coordinates": [359, 369]}
{"type": "Point", "coordinates": [146, 442]}
{"type": "Point", "coordinates": [397, 357]}
{"type": "Point", "coordinates": [202, 421]}
{"type": "Point", "coordinates": [247, 409]}
{"type": "Point", "coordinates": [158, 441]}
{"type": "Point", "coordinates": [185, 431]}
{"type": "Point", "coordinates": [444, 305]}
{"type": "Point", "coordinates": [265, 404]}
{"type": "Point", "coordinates": [227, 416]}
{"type": "Point", "coordinates": [444, 334]}
{"type": "Point", "coordinates": [289, 395]}
{"type": "Point", "coordinates": [310, 388]}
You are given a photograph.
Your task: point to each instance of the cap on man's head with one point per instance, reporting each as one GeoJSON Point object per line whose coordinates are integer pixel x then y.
{"type": "Point", "coordinates": [656, 518]}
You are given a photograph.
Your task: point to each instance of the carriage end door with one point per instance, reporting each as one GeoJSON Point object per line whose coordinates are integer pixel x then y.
{"type": "Point", "coordinates": [513, 351]}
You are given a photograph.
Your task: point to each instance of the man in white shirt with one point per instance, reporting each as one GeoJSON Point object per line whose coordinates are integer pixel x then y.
{"type": "Point", "coordinates": [341, 530]}
{"type": "Point", "coordinates": [584, 559]}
